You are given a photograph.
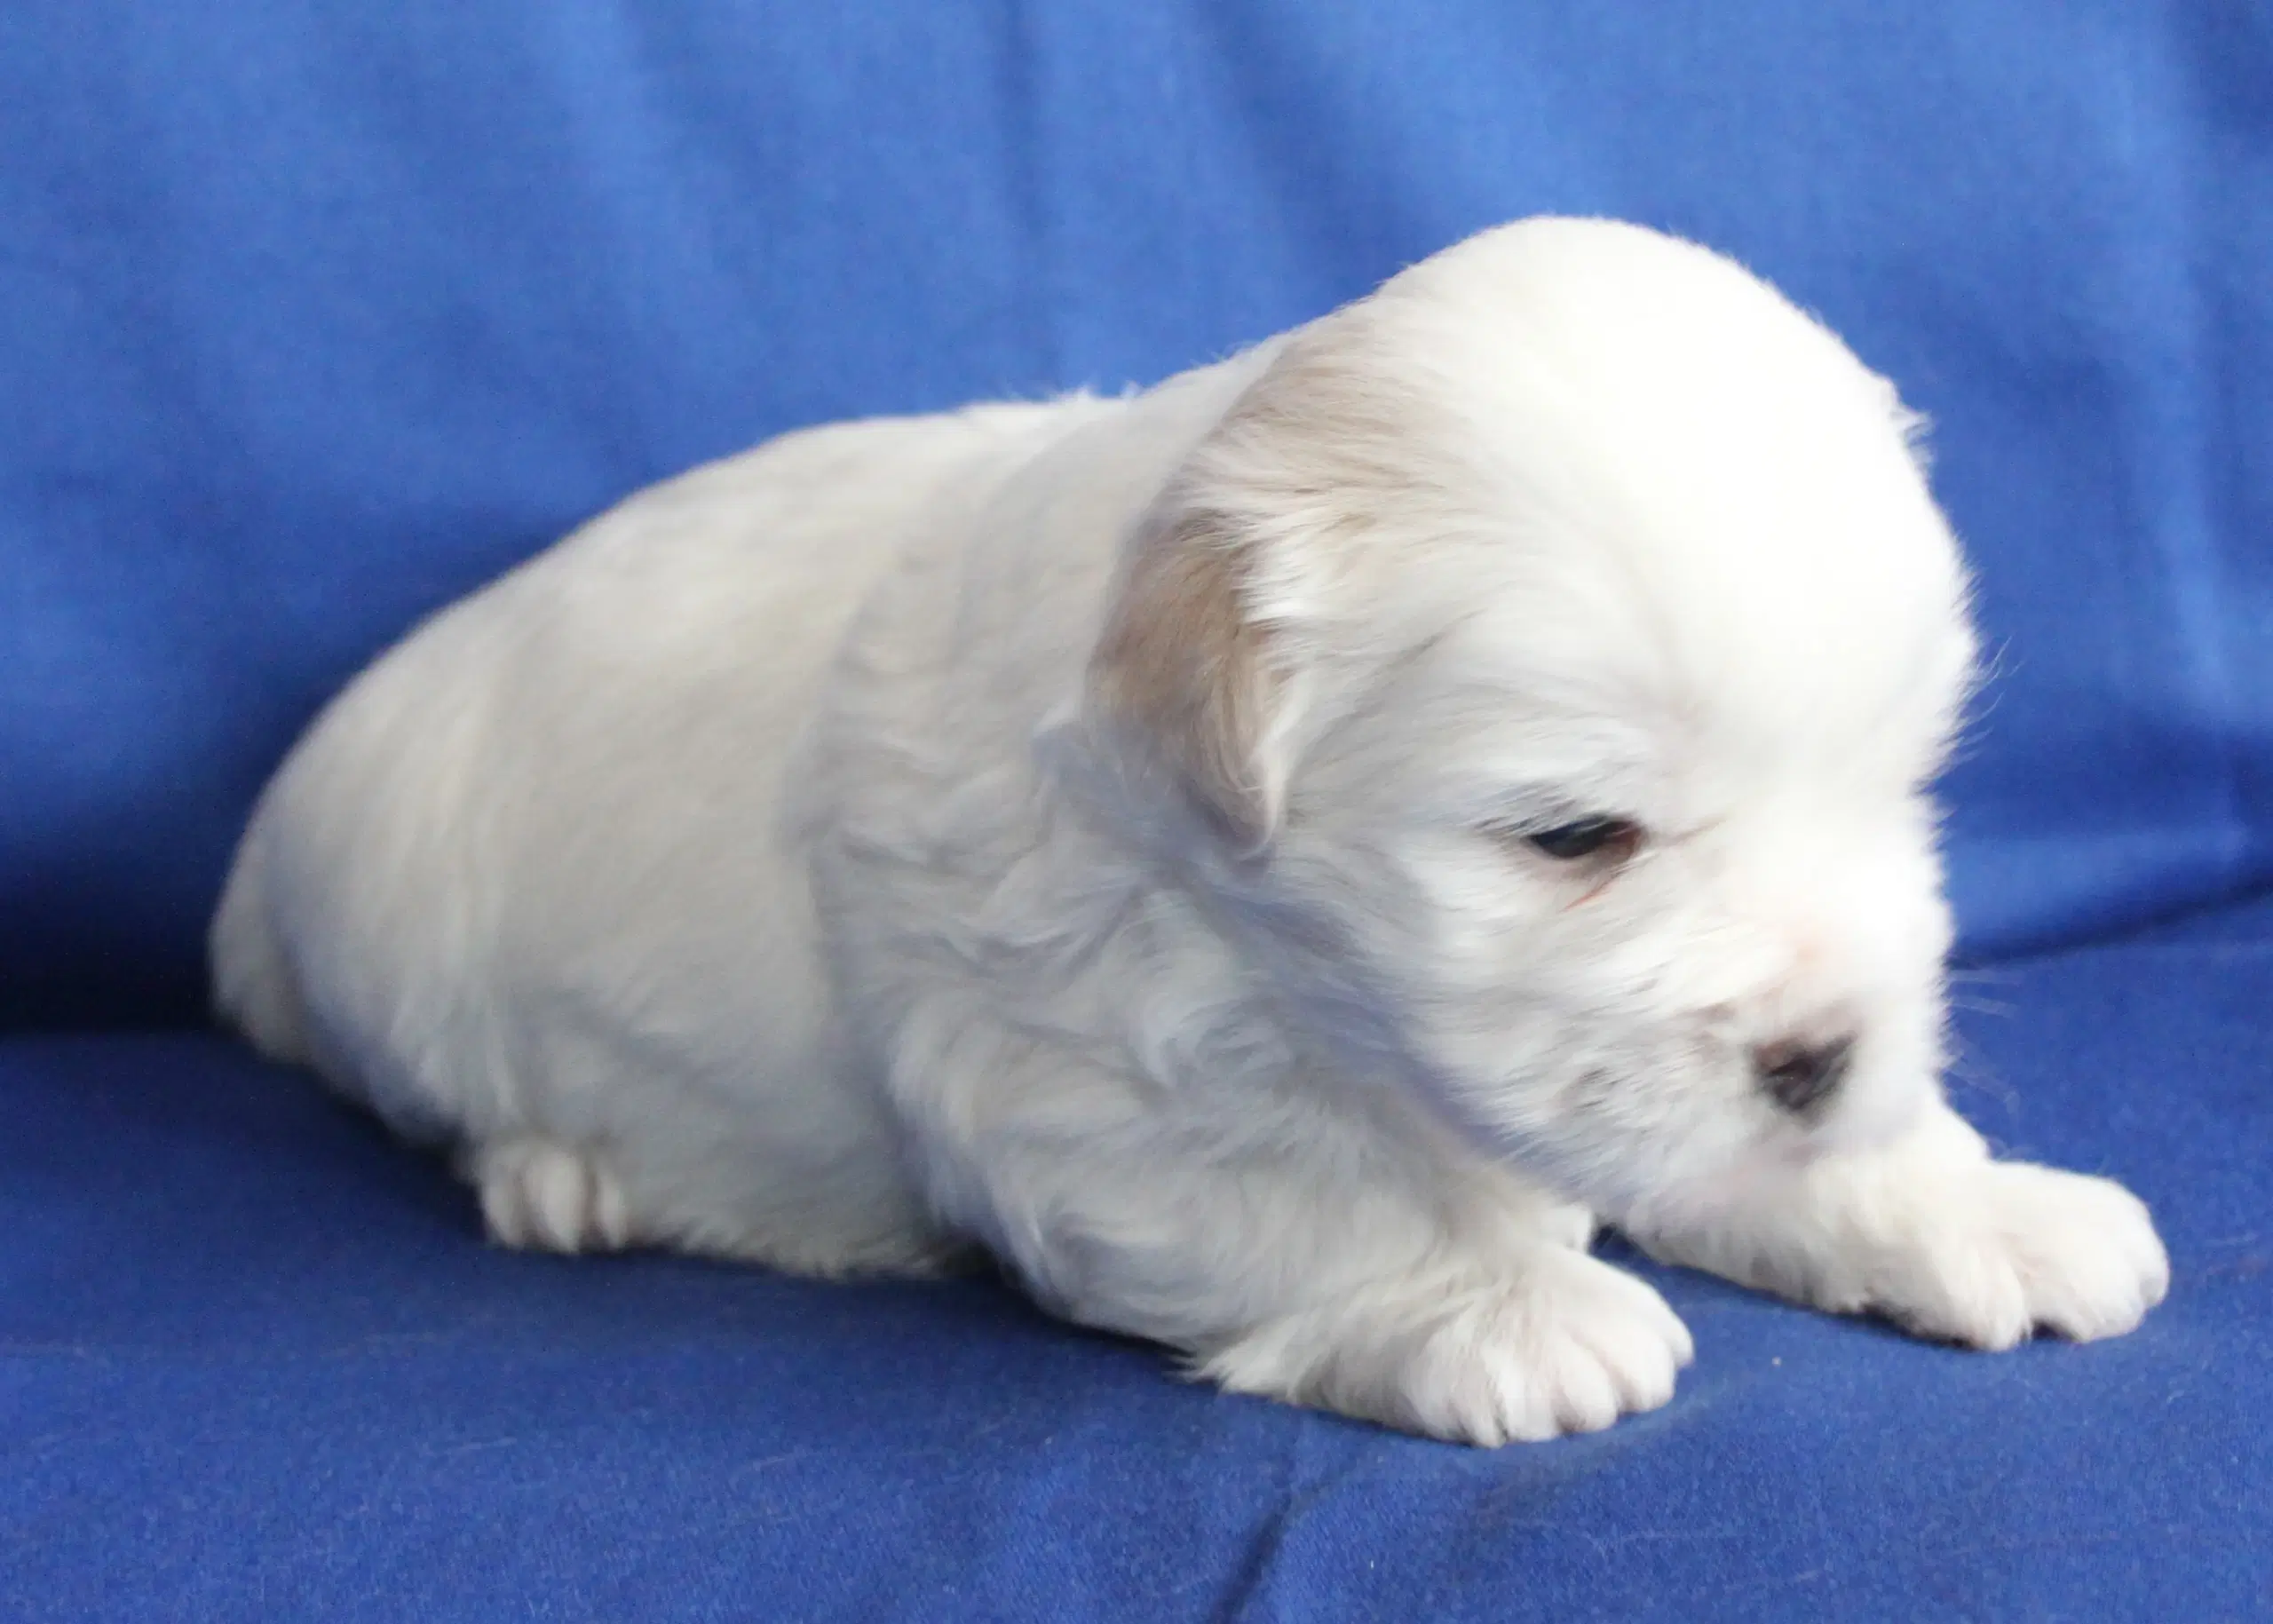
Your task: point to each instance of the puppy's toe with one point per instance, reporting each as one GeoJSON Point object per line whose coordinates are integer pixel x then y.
{"type": "Point", "coordinates": [542, 1196]}
{"type": "Point", "coordinates": [1959, 1286]}
{"type": "Point", "coordinates": [1641, 1353]}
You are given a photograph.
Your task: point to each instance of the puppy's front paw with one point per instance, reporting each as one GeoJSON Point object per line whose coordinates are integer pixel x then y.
{"type": "Point", "coordinates": [2004, 1248]}
{"type": "Point", "coordinates": [1565, 1344]}
{"type": "Point", "coordinates": [540, 1194]}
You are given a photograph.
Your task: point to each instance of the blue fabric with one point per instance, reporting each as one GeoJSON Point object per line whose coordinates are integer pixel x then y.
{"type": "Point", "coordinates": [314, 314]}
{"type": "Point", "coordinates": [255, 1363]}
{"type": "Point", "coordinates": [318, 313]}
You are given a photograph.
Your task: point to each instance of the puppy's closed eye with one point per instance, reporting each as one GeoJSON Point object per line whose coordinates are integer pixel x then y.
{"type": "Point", "coordinates": [1598, 837]}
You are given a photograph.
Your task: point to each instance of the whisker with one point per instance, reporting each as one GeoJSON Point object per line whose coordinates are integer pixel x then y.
{"type": "Point", "coordinates": [1967, 1071]}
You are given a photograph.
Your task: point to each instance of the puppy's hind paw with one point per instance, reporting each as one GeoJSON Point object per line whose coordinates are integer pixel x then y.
{"type": "Point", "coordinates": [1564, 1343]}
{"type": "Point", "coordinates": [542, 1195]}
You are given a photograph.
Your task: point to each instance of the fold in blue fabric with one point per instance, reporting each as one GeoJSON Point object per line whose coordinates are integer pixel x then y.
{"type": "Point", "coordinates": [319, 313]}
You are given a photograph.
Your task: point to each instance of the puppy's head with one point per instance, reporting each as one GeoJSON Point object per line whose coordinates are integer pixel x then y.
{"type": "Point", "coordinates": [1557, 646]}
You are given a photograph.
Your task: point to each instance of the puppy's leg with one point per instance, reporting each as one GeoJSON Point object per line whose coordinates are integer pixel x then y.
{"type": "Point", "coordinates": [1935, 1236]}
{"type": "Point", "coordinates": [1467, 1309]}
{"type": "Point", "coordinates": [542, 1193]}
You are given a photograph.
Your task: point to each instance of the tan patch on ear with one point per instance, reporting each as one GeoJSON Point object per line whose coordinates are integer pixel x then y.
{"type": "Point", "coordinates": [1182, 665]}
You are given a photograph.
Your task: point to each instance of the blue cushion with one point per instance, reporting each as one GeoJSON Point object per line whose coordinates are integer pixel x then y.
{"type": "Point", "coordinates": [257, 1363]}
{"type": "Point", "coordinates": [321, 312]}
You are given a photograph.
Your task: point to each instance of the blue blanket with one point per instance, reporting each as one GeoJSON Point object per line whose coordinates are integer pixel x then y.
{"type": "Point", "coordinates": [314, 314]}
{"type": "Point", "coordinates": [256, 1364]}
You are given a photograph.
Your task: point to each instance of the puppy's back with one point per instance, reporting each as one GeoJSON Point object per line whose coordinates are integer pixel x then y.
{"type": "Point", "coordinates": [516, 812]}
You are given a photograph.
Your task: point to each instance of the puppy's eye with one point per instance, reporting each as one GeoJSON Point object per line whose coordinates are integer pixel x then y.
{"type": "Point", "coordinates": [1614, 839]}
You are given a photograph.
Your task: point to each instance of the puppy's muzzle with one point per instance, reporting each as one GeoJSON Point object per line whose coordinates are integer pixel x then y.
{"type": "Point", "coordinates": [1800, 1076]}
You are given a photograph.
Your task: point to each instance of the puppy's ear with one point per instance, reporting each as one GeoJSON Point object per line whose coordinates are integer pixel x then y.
{"type": "Point", "coordinates": [1183, 672]}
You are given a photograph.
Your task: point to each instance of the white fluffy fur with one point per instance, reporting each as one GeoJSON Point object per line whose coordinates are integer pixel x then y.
{"type": "Point", "coordinates": [1096, 830]}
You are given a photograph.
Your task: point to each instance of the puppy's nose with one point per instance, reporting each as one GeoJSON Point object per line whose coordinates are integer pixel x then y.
{"type": "Point", "coordinates": [1798, 1075]}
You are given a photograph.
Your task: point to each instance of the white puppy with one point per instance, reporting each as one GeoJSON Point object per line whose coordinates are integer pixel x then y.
{"type": "Point", "coordinates": [1270, 858]}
